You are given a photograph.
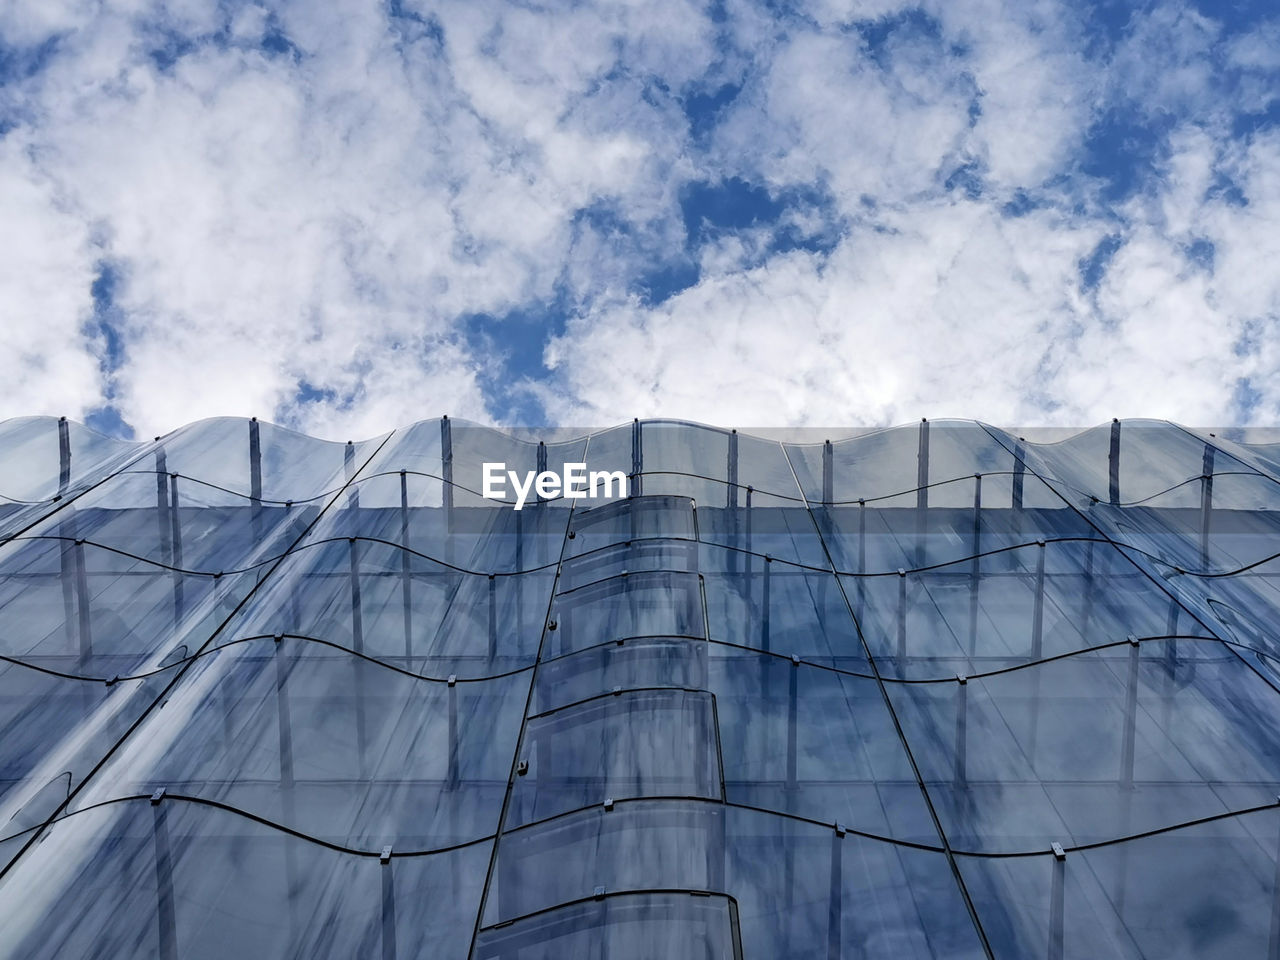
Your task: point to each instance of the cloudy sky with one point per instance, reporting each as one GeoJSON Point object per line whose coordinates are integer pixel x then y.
{"type": "Point", "coordinates": [351, 215]}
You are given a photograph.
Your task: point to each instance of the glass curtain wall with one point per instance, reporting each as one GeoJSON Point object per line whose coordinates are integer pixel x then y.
{"type": "Point", "coordinates": [933, 691]}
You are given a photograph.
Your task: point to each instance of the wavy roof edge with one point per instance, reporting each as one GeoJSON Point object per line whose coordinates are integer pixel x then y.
{"type": "Point", "coordinates": [793, 436]}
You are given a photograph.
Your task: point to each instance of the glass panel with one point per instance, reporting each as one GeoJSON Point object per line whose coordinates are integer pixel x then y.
{"type": "Point", "coordinates": [817, 744]}
{"type": "Point", "coordinates": [631, 743]}
{"type": "Point", "coordinates": [182, 880]}
{"type": "Point", "coordinates": [179, 523]}
{"type": "Point", "coordinates": [1206, 892]}
{"type": "Point", "coordinates": [632, 519]}
{"type": "Point", "coordinates": [897, 460]}
{"type": "Point", "coordinates": [420, 615]}
{"type": "Point", "coordinates": [1207, 526]}
{"type": "Point", "coordinates": [766, 526]}
{"type": "Point", "coordinates": [472, 445]}
{"type": "Point", "coordinates": [1095, 746]}
{"type": "Point", "coordinates": [628, 557]}
{"type": "Point", "coordinates": [1118, 463]}
{"type": "Point", "coordinates": [636, 605]}
{"type": "Point", "coordinates": [643, 662]}
{"type": "Point", "coordinates": [979, 515]}
{"type": "Point", "coordinates": [1008, 608]}
{"type": "Point", "coordinates": [46, 460]}
{"type": "Point", "coordinates": [780, 608]}
{"type": "Point", "coordinates": [260, 460]}
{"type": "Point", "coordinates": [471, 533]}
{"type": "Point", "coordinates": [329, 744]}
{"type": "Point", "coordinates": [801, 889]}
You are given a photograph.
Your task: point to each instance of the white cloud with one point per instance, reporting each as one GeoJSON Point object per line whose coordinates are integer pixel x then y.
{"type": "Point", "coordinates": [948, 312]}
{"type": "Point", "coordinates": [47, 365]}
{"type": "Point", "coordinates": [331, 215]}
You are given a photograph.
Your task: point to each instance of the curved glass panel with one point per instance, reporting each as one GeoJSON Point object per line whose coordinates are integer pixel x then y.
{"type": "Point", "coordinates": [784, 609]}
{"type": "Point", "coordinates": [1007, 608]}
{"type": "Point", "coordinates": [1206, 892]}
{"type": "Point", "coordinates": [894, 461]}
{"type": "Point", "coordinates": [631, 556]}
{"type": "Point", "coordinates": [330, 745]}
{"type": "Point", "coordinates": [182, 880]}
{"type": "Point", "coordinates": [45, 456]}
{"type": "Point", "coordinates": [422, 616]}
{"type": "Point", "coordinates": [634, 518]}
{"type": "Point", "coordinates": [448, 524]}
{"type": "Point", "coordinates": [638, 662]}
{"type": "Point", "coordinates": [632, 743]}
{"type": "Point", "coordinates": [260, 460]}
{"type": "Point", "coordinates": [1093, 747]}
{"type": "Point", "coordinates": [764, 525]}
{"type": "Point", "coordinates": [816, 744]}
{"type": "Point", "coordinates": [637, 605]}
{"type": "Point", "coordinates": [177, 522]}
{"type": "Point", "coordinates": [978, 515]}
{"type": "Point", "coordinates": [1121, 463]}
{"type": "Point", "coordinates": [802, 890]}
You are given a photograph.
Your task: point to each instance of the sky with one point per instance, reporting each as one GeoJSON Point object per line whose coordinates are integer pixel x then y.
{"type": "Point", "coordinates": [349, 216]}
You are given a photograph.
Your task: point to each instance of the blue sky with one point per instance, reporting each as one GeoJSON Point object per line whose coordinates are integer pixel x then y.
{"type": "Point", "coordinates": [350, 216]}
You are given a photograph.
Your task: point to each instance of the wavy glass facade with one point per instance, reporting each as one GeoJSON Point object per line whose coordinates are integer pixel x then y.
{"type": "Point", "coordinates": [933, 691]}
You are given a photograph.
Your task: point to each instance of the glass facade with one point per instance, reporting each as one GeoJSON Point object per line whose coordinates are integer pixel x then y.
{"type": "Point", "coordinates": [932, 691]}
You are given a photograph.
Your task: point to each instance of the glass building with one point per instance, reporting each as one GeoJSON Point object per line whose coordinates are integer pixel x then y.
{"type": "Point", "coordinates": [933, 691]}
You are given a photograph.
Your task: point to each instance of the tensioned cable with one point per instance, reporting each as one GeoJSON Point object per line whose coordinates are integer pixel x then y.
{"type": "Point", "coordinates": [586, 554]}
{"type": "Point", "coordinates": [248, 815]}
{"type": "Point", "coordinates": [292, 551]}
{"type": "Point", "coordinates": [794, 659]}
{"type": "Point", "coordinates": [798, 500]}
{"type": "Point", "coordinates": [598, 806]}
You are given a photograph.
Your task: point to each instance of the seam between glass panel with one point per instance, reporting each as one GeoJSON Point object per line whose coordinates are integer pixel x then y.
{"type": "Point", "coordinates": [728, 548]}
{"type": "Point", "coordinates": [729, 644]}
{"type": "Point", "coordinates": [674, 798]}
